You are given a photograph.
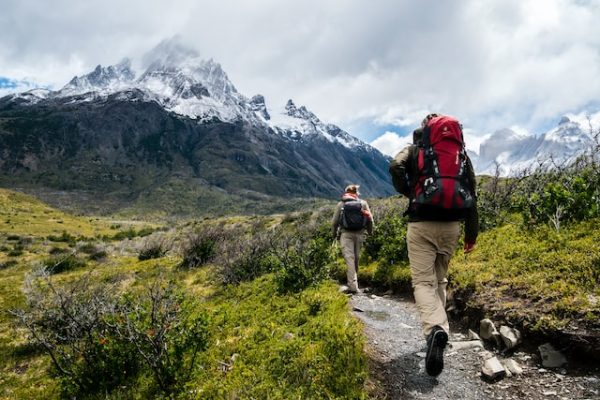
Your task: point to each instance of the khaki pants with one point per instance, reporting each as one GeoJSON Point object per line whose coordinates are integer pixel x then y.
{"type": "Point", "coordinates": [351, 242]}
{"type": "Point", "coordinates": [430, 247]}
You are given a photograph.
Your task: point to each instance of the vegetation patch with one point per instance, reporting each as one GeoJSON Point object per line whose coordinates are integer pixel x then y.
{"type": "Point", "coordinates": [532, 273]}
{"type": "Point", "coordinates": [282, 346]}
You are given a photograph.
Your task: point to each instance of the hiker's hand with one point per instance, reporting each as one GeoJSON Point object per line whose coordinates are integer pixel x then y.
{"type": "Point", "coordinates": [469, 247]}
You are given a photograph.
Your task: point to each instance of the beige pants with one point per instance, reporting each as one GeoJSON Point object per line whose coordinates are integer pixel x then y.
{"type": "Point", "coordinates": [430, 247]}
{"type": "Point", "coordinates": [351, 242]}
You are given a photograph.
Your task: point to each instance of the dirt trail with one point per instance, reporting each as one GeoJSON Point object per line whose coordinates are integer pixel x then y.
{"type": "Point", "coordinates": [397, 350]}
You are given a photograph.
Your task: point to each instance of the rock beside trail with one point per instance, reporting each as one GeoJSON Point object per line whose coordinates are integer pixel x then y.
{"type": "Point", "coordinates": [473, 335]}
{"type": "Point", "coordinates": [492, 369]}
{"type": "Point", "coordinates": [469, 344]}
{"type": "Point", "coordinates": [488, 331]}
{"type": "Point", "coordinates": [510, 336]}
{"type": "Point", "coordinates": [513, 366]}
{"type": "Point", "coordinates": [551, 358]}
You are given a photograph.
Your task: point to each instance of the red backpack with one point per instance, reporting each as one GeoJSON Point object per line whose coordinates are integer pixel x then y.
{"type": "Point", "coordinates": [442, 167]}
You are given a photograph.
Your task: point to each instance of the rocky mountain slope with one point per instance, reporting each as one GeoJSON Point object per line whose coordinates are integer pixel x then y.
{"type": "Point", "coordinates": [180, 131]}
{"type": "Point", "coordinates": [517, 151]}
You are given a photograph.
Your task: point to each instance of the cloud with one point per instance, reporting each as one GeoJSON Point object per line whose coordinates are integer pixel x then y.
{"type": "Point", "coordinates": [391, 143]}
{"type": "Point", "coordinates": [492, 64]}
{"type": "Point", "coordinates": [8, 85]}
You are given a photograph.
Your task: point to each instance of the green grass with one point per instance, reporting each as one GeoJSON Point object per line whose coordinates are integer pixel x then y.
{"type": "Point", "coordinates": [282, 346]}
{"type": "Point", "coordinates": [546, 279]}
{"type": "Point", "coordinates": [263, 344]}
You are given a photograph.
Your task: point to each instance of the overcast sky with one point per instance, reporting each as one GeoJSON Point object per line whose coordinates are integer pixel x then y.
{"type": "Point", "coordinates": [374, 67]}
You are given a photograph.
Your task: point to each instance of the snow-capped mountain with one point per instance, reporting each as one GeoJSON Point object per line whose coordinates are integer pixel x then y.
{"type": "Point", "coordinates": [178, 132]}
{"type": "Point", "coordinates": [515, 151]}
{"type": "Point", "coordinates": [102, 80]}
{"type": "Point", "coordinates": [182, 82]}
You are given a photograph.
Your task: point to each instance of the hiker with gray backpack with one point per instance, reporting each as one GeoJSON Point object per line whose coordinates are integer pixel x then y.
{"type": "Point", "coordinates": [352, 220]}
{"type": "Point", "coordinates": [437, 176]}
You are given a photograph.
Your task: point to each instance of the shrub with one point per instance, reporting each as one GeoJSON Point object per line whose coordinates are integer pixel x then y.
{"type": "Point", "coordinates": [130, 233]}
{"type": "Point", "coordinates": [8, 264]}
{"type": "Point", "coordinates": [16, 251]}
{"type": "Point", "coordinates": [94, 252]}
{"type": "Point", "coordinates": [70, 324]}
{"type": "Point", "coordinates": [63, 262]}
{"type": "Point", "coordinates": [57, 250]}
{"type": "Point", "coordinates": [246, 259]}
{"type": "Point", "coordinates": [98, 255]}
{"type": "Point", "coordinates": [387, 244]}
{"type": "Point", "coordinates": [98, 339]}
{"type": "Point", "coordinates": [303, 258]}
{"type": "Point", "coordinates": [155, 247]}
{"type": "Point", "coordinates": [64, 237]}
{"type": "Point", "coordinates": [201, 247]}
{"type": "Point", "coordinates": [166, 331]}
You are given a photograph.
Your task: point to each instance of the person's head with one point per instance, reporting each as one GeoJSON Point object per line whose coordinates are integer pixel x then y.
{"type": "Point", "coordinates": [352, 189]}
{"type": "Point", "coordinates": [428, 118]}
{"type": "Point", "coordinates": [418, 136]}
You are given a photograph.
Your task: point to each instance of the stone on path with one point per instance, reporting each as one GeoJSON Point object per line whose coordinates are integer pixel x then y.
{"type": "Point", "coordinates": [473, 335]}
{"type": "Point", "coordinates": [487, 330]}
{"type": "Point", "coordinates": [492, 369]}
{"type": "Point", "coordinates": [513, 366]}
{"type": "Point", "coordinates": [510, 336]}
{"type": "Point", "coordinates": [551, 358]}
{"type": "Point", "coordinates": [470, 344]}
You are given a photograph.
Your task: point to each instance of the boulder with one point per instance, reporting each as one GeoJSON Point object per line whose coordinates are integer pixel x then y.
{"type": "Point", "coordinates": [510, 336]}
{"type": "Point", "coordinates": [487, 329]}
{"type": "Point", "coordinates": [551, 358]}
{"type": "Point", "coordinates": [492, 369]}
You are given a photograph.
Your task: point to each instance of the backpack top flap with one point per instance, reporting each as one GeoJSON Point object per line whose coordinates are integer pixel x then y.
{"type": "Point", "coordinates": [442, 128]}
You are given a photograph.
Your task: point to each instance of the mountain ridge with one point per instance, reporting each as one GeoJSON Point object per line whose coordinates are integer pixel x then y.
{"type": "Point", "coordinates": [515, 152]}
{"type": "Point", "coordinates": [115, 132]}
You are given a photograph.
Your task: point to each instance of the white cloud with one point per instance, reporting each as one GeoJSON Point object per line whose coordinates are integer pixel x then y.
{"type": "Point", "coordinates": [492, 64]}
{"type": "Point", "coordinates": [391, 143]}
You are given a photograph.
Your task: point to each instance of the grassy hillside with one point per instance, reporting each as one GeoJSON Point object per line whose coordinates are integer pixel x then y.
{"type": "Point", "coordinates": [543, 279]}
{"type": "Point", "coordinates": [253, 338]}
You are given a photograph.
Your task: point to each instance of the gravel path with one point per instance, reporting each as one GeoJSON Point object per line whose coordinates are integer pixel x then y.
{"type": "Point", "coordinates": [396, 347]}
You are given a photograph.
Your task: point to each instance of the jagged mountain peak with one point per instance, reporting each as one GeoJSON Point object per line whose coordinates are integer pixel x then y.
{"type": "Point", "coordinates": [300, 112]}
{"type": "Point", "coordinates": [516, 151]}
{"type": "Point", "coordinates": [182, 82]}
{"type": "Point", "coordinates": [257, 104]}
{"type": "Point", "coordinates": [113, 77]}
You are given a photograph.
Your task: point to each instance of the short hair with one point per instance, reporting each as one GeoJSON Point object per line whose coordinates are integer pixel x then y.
{"type": "Point", "coordinates": [352, 188]}
{"type": "Point", "coordinates": [428, 118]}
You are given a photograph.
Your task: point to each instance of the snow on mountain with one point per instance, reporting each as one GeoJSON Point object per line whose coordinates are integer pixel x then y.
{"type": "Point", "coordinates": [514, 151]}
{"type": "Point", "coordinates": [178, 79]}
{"type": "Point", "coordinates": [32, 96]}
{"type": "Point", "coordinates": [298, 122]}
{"type": "Point", "coordinates": [104, 80]}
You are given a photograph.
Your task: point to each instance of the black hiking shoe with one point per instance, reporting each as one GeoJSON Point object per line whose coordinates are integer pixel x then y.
{"type": "Point", "coordinates": [436, 343]}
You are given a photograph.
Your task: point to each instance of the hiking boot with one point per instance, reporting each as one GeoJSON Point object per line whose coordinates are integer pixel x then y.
{"type": "Point", "coordinates": [436, 343]}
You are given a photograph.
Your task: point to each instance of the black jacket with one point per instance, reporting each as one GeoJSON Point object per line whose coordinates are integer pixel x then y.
{"type": "Point", "coordinates": [404, 172]}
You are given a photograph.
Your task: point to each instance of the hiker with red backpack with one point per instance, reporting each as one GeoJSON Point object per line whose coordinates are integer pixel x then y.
{"type": "Point", "coordinates": [437, 176]}
{"type": "Point", "coordinates": [352, 219]}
